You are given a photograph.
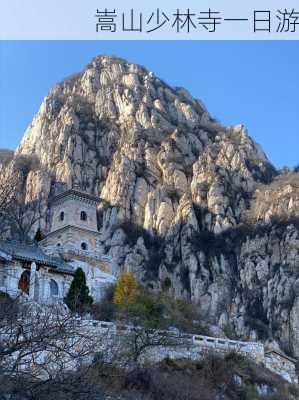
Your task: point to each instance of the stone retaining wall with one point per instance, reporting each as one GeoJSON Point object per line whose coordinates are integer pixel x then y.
{"type": "Point", "coordinates": [196, 347]}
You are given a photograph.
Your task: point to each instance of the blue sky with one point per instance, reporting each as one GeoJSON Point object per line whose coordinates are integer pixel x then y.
{"type": "Point", "coordinates": [255, 83]}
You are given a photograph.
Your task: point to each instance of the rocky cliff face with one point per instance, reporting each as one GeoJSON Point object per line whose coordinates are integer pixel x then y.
{"type": "Point", "coordinates": [176, 187]}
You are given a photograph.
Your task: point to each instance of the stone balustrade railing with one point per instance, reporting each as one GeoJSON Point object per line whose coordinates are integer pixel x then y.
{"type": "Point", "coordinates": [253, 350]}
{"type": "Point", "coordinates": [84, 253]}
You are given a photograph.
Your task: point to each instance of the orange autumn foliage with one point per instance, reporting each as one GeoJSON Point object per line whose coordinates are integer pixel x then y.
{"type": "Point", "coordinates": [126, 290]}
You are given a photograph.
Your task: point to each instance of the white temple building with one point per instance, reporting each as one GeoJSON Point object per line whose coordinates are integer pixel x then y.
{"type": "Point", "coordinates": [44, 272]}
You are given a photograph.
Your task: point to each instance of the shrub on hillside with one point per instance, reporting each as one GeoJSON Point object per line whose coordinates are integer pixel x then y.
{"type": "Point", "coordinates": [184, 315]}
{"type": "Point", "coordinates": [133, 304]}
{"type": "Point", "coordinates": [126, 290]}
{"type": "Point", "coordinates": [232, 377]}
{"type": "Point", "coordinates": [148, 311]}
{"type": "Point", "coordinates": [105, 310]}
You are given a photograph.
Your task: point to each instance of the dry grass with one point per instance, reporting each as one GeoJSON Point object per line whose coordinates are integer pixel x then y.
{"type": "Point", "coordinates": [229, 378]}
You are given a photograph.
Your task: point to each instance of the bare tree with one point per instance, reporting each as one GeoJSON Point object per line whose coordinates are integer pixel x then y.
{"type": "Point", "coordinates": [140, 343]}
{"type": "Point", "coordinates": [43, 349]}
{"type": "Point", "coordinates": [17, 216]}
{"type": "Point", "coordinates": [21, 217]}
{"type": "Point", "coordinates": [48, 352]}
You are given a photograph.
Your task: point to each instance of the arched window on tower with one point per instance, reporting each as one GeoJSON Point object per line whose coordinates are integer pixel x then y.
{"type": "Point", "coordinates": [83, 216]}
{"type": "Point", "coordinates": [61, 216]}
{"type": "Point", "coordinates": [84, 246]}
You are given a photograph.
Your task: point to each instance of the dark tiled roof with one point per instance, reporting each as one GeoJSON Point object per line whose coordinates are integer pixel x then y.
{"type": "Point", "coordinates": [5, 256]}
{"type": "Point", "coordinates": [33, 253]}
{"type": "Point", "coordinates": [77, 194]}
{"type": "Point", "coordinates": [67, 227]}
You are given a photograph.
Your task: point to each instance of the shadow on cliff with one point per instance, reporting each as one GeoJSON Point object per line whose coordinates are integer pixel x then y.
{"type": "Point", "coordinates": [232, 238]}
{"type": "Point", "coordinates": [227, 243]}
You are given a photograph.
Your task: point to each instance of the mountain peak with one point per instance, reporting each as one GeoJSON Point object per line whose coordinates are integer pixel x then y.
{"type": "Point", "coordinates": [175, 188]}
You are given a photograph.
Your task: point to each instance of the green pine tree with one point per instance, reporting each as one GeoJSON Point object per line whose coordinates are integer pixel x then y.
{"type": "Point", "coordinates": [38, 236]}
{"type": "Point", "coordinates": [78, 298]}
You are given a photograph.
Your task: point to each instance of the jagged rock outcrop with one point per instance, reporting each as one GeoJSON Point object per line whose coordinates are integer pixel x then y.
{"type": "Point", "coordinates": [280, 199]}
{"type": "Point", "coordinates": [175, 187]}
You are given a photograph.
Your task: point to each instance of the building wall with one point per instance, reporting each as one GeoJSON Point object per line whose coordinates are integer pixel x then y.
{"type": "Point", "coordinates": [41, 277]}
{"type": "Point", "coordinates": [73, 239]}
{"type": "Point", "coordinates": [10, 275]}
{"type": "Point", "coordinates": [72, 209]}
{"type": "Point", "coordinates": [44, 283]}
{"type": "Point", "coordinates": [40, 282]}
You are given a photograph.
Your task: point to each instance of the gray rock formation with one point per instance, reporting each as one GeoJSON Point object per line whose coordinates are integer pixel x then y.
{"type": "Point", "coordinates": [176, 188]}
